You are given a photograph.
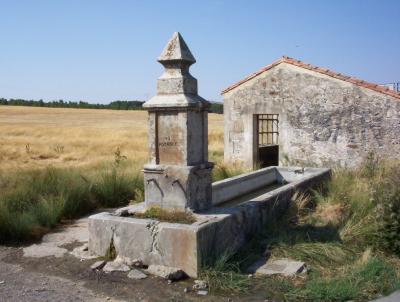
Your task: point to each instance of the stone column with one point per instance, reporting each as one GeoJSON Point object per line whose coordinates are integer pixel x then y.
{"type": "Point", "coordinates": [178, 175]}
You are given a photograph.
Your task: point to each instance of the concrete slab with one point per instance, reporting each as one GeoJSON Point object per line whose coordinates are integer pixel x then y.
{"type": "Point", "coordinates": [44, 250]}
{"type": "Point", "coordinates": [285, 267]}
{"type": "Point", "coordinates": [115, 266]}
{"type": "Point", "coordinates": [77, 232]}
{"type": "Point", "coordinates": [136, 275]}
{"type": "Point", "coordinates": [52, 243]}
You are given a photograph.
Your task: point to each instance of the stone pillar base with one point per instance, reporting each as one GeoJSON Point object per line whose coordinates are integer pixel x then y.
{"type": "Point", "coordinates": [178, 187]}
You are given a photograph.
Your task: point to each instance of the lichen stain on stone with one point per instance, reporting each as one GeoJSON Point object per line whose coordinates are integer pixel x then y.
{"type": "Point", "coordinates": [171, 47]}
{"type": "Point", "coordinates": [154, 232]}
{"type": "Point", "coordinates": [111, 253]}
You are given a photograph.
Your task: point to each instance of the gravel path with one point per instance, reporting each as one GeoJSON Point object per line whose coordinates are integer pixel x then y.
{"type": "Point", "coordinates": [20, 285]}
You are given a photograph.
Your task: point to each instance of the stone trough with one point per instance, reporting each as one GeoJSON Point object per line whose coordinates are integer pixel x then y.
{"type": "Point", "coordinates": [242, 206]}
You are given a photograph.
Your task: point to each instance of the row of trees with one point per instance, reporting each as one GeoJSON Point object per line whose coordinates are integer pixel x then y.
{"type": "Point", "coordinates": [118, 105]}
{"type": "Point", "coordinates": [115, 105]}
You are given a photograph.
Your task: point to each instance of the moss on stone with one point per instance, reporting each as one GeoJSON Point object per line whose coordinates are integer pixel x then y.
{"type": "Point", "coordinates": [174, 216]}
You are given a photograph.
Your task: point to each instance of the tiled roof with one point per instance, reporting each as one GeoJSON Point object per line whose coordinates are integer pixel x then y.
{"type": "Point", "coordinates": [325, 71]}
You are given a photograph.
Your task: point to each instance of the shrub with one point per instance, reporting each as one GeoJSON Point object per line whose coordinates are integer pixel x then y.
{"type": "Point", "coordinates": [223, 171]}
{"type": "Point", "coordinates": [49, 210]}
{"type": "Point", "coordinates": [387, 196]}
{"type": "Point", "coordinates": [114, 188]}
{"type": "Point", "coordinates": [371, 165]}
{"type": "Point", "coordinates": [225, 275]}
{"type": "Point", "coordinates": [15, 226]}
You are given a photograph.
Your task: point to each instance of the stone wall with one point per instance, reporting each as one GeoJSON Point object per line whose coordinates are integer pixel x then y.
{"type": "Point", "coordinates": [322, 120]}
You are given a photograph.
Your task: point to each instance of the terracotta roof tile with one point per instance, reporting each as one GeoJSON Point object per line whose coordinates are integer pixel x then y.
{"type": "Point", "coordinates": [325, 71]}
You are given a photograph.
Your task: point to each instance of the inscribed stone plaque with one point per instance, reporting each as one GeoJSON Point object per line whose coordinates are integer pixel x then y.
{"type": "Point", "coordinates": [170, 143]}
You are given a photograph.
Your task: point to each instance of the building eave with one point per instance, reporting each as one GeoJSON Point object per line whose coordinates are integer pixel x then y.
{"type": "Point", "coordinates": [358, 82]}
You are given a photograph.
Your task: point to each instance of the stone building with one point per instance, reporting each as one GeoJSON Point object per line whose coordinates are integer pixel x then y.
{"type": "Point", "coordinates": [290, 112]}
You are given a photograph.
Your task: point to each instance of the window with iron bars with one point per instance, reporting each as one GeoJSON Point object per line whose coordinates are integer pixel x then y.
{"type": "Point", "coordinates": [268, 129]}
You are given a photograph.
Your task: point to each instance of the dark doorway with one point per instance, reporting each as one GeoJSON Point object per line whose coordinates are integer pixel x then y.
{"type": "Point", "coordinates": [267, 127]}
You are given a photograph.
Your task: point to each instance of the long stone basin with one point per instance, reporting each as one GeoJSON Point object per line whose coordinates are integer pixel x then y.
{"type": "Point", "coordinates": [242, 205]}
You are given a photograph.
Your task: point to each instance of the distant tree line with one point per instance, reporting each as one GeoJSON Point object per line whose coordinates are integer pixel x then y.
{"type": "Point", "coordinates": [115, 105]}
{"type": "Point", "coordinates": [217, 108]}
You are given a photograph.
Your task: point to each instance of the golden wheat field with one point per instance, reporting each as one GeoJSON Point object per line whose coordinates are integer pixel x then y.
{"type": "Point", "coordinates": [33, 137]}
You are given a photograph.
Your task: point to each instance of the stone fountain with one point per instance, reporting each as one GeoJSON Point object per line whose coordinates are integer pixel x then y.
{"type": "Point", "coordinates": [228, 213]}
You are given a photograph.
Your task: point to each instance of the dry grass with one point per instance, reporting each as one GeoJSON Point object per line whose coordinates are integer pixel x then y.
{"type": "Point", "coordinates": [330, 213]}
{"type": "Point", "coordinates": [58, 163]}
{"type": "Point", "coordinates": [38, 137]}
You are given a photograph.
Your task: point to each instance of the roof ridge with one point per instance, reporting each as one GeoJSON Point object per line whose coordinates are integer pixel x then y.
{"type": "Point", "coordinates": [326, 71]}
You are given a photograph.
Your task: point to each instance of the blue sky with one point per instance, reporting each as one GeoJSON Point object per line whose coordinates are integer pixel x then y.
{"type": "Point", "coordinates": [99, 51]}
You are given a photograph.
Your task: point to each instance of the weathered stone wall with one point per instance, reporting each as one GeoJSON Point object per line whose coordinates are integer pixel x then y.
{"type": "Point", "coordinates": [322, 120]}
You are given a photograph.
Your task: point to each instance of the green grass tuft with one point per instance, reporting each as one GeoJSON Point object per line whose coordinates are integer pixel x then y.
{"type": "Point", "coordinates": [319, 289]}
{"type": "Point", "coordinates": [32, 202]}
{"type": "Point", "coordinates": [174, 216]}
{"type": "Point", "coordinates": [225, 275]}
{"type": "Point", "coordinates": [113, 187]}
{"type": "Point", "coordinates": [223, 171]}
{"type": "Point", "coordinates": [360, 282]}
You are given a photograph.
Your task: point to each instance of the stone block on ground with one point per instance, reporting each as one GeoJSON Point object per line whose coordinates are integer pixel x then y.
{"type": "Point", "coordinates": [200, 284]}
{"type": "Point", "coordinates": [137, 263]}
{"type": "Point", "coordinates": [82, 252]}
{"type": "Point", "coordinates": [166, 272]}
{"type": "Point", "coordinates": [98, 265]}
{"type": "Point", "coordinates": [202, 292]}
{"type": "Point", "coordinates": [128, 261]}
{"type": "Point", "coordinates": [115, 266]}
{"type": "Point", "coordinates": [283, 267]}
{"type": "Point", "coordinates": [136, 274]}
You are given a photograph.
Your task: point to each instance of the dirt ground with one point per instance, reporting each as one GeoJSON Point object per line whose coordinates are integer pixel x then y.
{"type": "Point", "coordinates": [68, 278]}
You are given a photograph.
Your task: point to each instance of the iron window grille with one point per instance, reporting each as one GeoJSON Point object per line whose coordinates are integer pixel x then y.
{"type": "Point", "coordinates": [268, 129]}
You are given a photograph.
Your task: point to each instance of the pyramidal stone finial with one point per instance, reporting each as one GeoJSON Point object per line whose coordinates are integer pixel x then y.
{"type": "Point", "coordinates": [176, 50]}
{"type": "Point", "coordinates": [176, 87]}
